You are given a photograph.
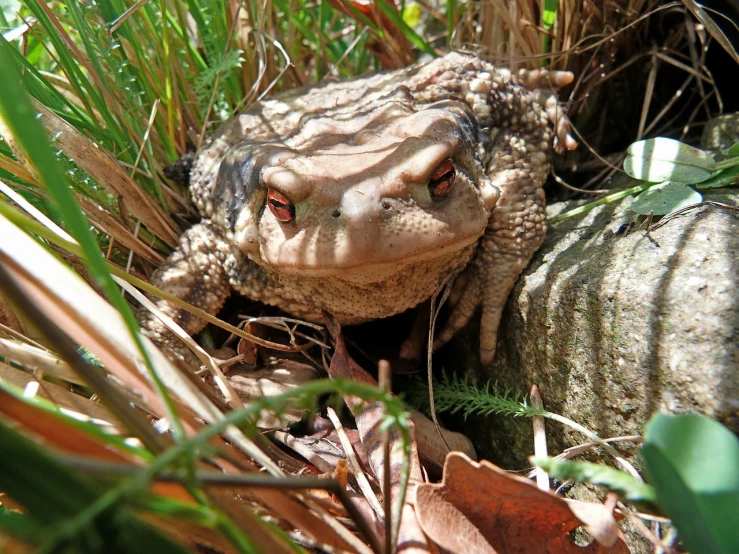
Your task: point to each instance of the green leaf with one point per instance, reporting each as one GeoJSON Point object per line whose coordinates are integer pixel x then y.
{"type": "Point", "coordinates": [598, 474]}
{"type": "Point", "coordinates": [662, 159]}
{"type": "Point", "coordinates": [665, 198]}
{"type": "Point", "coordinates": [693, 463]}
{"type": "Point", "coordinates": [732, 150]}
{"type": "Point", "coordinates": [725, 178]}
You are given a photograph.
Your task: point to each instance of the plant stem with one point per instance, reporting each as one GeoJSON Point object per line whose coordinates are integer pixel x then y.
{"type": "Point", "coordinates": [605, 200]}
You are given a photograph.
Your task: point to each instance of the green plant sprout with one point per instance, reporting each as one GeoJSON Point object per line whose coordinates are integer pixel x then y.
{"type": "Point", "coordinates": [674, 168]}
{"type": "Point", "coordinates": [668, 169]}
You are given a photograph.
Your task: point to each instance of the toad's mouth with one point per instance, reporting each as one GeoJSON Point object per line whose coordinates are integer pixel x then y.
{"type": "Point", "coordinates": [372, 266]}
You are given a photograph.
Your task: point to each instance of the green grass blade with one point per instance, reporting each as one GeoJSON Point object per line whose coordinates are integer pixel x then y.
{"type": "Point", "coordinates": [49, 500]}
{"type": "Point", "coordinates": [19, 116]}
{"type": "Point", "coordinates": [413, 37]}
{"type": "Point", "coordinates": [20, 526]}
{"type": "Point", "coordinates": [548, 19]}
{"type": "Point", "coordinates": [598, 474]}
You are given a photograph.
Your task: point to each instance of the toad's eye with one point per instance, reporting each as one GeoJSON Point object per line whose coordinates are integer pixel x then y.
{"type": "Point", "coordinates": [443, 179]}
{"type": "Point", "coordinates": [280, 206]}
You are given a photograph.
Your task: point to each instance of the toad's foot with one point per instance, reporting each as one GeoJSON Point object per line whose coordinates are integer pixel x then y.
{"type": "Point", "coordinates": [195, 273]}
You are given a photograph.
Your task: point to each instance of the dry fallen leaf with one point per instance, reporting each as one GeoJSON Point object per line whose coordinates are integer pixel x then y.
{"type": "Point", "coordinates": [271, 381]}
{"type": "Point", "coordinates": [480, 508]}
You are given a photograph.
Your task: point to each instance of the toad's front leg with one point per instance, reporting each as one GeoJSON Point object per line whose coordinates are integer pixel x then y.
{"type": "Point", "coordinates": [194, 272]}
{"type": "Point", "coordinates": [515, 231]}
{"type": "Point", "coordinates": [518, 165]}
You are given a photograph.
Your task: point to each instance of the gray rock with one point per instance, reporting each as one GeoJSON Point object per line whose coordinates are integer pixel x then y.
{"type": "Point", "coordinates": [615, 327]}
{"type": "Point", "coordinates": [721, 132]}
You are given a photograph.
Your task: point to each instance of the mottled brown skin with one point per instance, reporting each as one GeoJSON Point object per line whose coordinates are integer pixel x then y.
{"type": "Point", "coordinates": [368, 236]}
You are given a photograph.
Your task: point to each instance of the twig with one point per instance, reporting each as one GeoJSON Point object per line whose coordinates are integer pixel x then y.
{"type": "Point", "coordinates": [540, 439]}
{"type": "Point", "coordinates": [444, 289]}
{"type": "Point", "coordinates": [644, 530]}
{"type": "Point", "coordinates": [387, 485]}
{"type": "Point", "coordinates": [686, 209]}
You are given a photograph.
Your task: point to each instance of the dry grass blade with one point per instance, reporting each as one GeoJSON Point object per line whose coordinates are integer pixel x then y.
{"type": "Point", "coordinates": [107, 171]}
{"type": "Point", "coordinates": [58, 432]}
{"type": "Point", "coordinates": [540, 438]}
{"type": "Point", "coordinates": [44, 364]}
{"type": "Point", "coordinates": [73, 306]}
{"type": "Point", "coordinates": [716, 32]}
{"type": "Point", "coordinates": [79, 445]}
{"type": "Point", "coordinates": [521, 40]}
{"type": "Point", "coordinates": [364, 484]}
{"type": "Point", "coordinates": [228, 392]}
{"type": "Point", "coordinates": [102, 220]}
{"type": "Point", "coordinates": [117, 231]}
{"type": "Point", "coordinates": [37, 359]}
{"type": "Point", "coordinates": [18, 169]}
{"type": "Point", "coordinates": [246, 520]}
{"type": "Point", "coordinates": [70, 304]}
{"type": "Point", "coordinates": [194, 537]}
{"type": "Point", "coordinates": [69, 402]}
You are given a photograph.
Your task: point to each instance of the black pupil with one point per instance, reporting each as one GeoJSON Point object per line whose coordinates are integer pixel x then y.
{"type": "Point", "coordinates": [441, 181]}
{"type": "Point", "coordinates": [443, 178]}
{"type": "Point", "coordinates": [282, 208]}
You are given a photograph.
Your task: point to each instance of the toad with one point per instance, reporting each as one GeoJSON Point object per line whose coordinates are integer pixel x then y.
{"type": "Point", "coordinates": [363, 197]}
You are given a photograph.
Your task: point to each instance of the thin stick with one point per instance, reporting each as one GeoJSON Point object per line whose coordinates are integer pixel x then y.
{"type": "Point", "coordinates": [445, 290]}
{"type": "Point", "coordinates": [644, 530]}
{"type": "Point", "coordinates": [383, 371]}
{"type": "Point", "coordinates": [254, 480]}
{"type": "Point", "coordinates": [540, 439]}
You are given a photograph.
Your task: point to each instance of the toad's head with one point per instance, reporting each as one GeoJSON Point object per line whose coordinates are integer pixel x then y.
{"type": "Point", "coordinates": [356, 197]}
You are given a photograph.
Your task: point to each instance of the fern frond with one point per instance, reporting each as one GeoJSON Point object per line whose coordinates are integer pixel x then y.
{"type": "Point", "coordinates": [459, 395]}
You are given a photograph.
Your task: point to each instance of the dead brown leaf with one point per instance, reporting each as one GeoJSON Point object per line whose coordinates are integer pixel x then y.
{"type": "Point", "coordinates": [480, 508]}
{"type": "Point", "coordinates": [271, 381]}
